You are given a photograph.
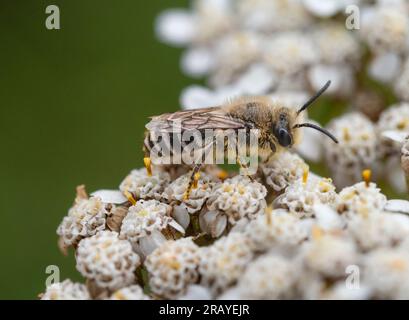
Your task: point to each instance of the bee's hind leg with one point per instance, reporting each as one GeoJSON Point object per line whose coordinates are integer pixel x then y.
{"type": "Point", "coordinates": [194, 178]}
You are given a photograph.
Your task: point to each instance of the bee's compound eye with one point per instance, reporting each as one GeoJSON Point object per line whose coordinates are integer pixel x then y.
{"type": "Point", "coordinates": [284, 137]}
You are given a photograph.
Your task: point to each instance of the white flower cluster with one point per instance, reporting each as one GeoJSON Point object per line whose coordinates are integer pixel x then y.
{"type": "Point", "coordinates": [275, 228]}
{"type": "Point", "coordinates": [268, 41]}
{"type": "Point", "coordinates": [238, 198]}
{"type": "Point", "coordinates": [149, 224]}
{"type": "Point", "coordinates": [360, 199]}
{"type": "Point", "coordinates": [356, 149]}
{"type": "Point", "coordinates": [107, 261]}
{"type": "Point", "coordinates": [173, 267]}
{"type": "Point", "coordinates": [301, 196]}
{"type": "Point", "coordinates": [301, 251]}
{"type": "Point", "coordinates": [223, 263]}
{"type": "Point", "coordinates": [143, 186]}
{"type": "Point", "coordinates": [133, 292]}
{"type": "Point", "coordinates": [84, 219]}
{"type": "Point", "coordinates": [66, 290]}
{"type": "Point", "coordinates": [282, 170]}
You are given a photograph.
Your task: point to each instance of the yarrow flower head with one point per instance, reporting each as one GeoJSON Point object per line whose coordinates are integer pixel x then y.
{"type": "Point", "coordinates": [284, 169]}
{"type": "Point", "coordinates": [269, 277]}
{"type": "Point", "coordinates": [234, 52]}
{"type": "Point", "coordinates": [362, 198]}
{"type": "Point", "coordinates": [107, 261]}
{"type": "Point", "coordinates": [402, 82]}
{"type": "Point", "coordinates": [134, 292]}
{"type": "Point", "coordinates": [238, 198]}
{"type": "Point", "coordinates": [289, 53]}
{"type": "Point", "coordinates": [277, 227]}
{"type": "Point", "coordinates": [176, 192]}
{"type": "Point", "coordinates": [270, 16]}
{"type": "Point", "coordinates": [386, 28]}
{"type": "Point", "coordinates": [378, 229]}
{"type": "Point", "coordinates": [66, 290]}
{"type": "Point", "coordinates": [329, 255]}
{"type": "Point", "coordinates": [173, 267]}
{"type": "Point", "coordinates": [223, 263]}
{"type": "Point", "coordinates": [84, 219]}
{"type": "Point", "coordinates": [301, 196]}
{"type": "Point", "coordinates": [355, 151]}
{"type": "Point", "coordinates": [148, 224]}
{"type": "Point", "coordinates": [395, 118]}
{"type": "Point", "coordinates": [328, 35]}
{"type": "Point", "coordinates": [143, 186]}
{"type": "Point", "coordinates": [393, 266]}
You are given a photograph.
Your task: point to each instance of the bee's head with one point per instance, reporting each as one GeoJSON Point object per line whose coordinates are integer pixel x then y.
{"type": "Point", "coordinates": [282, 130]}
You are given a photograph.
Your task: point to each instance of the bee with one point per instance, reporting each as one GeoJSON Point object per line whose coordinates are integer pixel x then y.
{"type": "Point", "coordinates": [277, 127]}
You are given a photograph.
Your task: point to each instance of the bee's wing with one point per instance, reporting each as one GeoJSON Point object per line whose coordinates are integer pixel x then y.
{"type": "Point", "coordinates": [199, 119]}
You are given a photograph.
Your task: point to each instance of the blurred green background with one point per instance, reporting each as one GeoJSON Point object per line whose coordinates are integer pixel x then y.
{"type": "Point", "coordinates": [73, 105]}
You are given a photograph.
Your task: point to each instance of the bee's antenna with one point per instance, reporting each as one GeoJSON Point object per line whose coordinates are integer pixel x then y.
{"type": "Point", "coordinates": [313, 126]}
{"type": "Point", "coordinates": [315, 97]}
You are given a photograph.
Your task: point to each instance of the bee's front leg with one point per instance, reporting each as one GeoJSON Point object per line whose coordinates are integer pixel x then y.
{"type": "Point", "coordinates": [194, 179]}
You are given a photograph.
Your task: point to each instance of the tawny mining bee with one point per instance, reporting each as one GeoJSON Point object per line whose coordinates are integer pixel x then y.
{"type": "Point", "coordinates": [189, 137]}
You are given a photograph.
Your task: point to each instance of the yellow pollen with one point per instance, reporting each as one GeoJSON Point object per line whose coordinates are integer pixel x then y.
{"type": "Point", "coordinates": [364, 211]}
{"type": "Point", "coordinates": [196, 179]}
{"type": "Point", "coordinates": [324, 186]}
{"type": "Point", "coordinates": [97, 257]}
{"type": "Point", "coordinates": [119, 295]}
{"type": "Point", "coordinates": [106, 244]}
{"type": "Point", "coordinates": [143, 213]}
{"type": "Point", "coordinates": [242, 189]}
{"type": "Point", "coordinates": [347, 136]}
{"type": "Point", "coordinates": [222, 175]}
{"type": "Point", "coordinates": [398, 264]}
{"type": "Point", "coordinates": [148, 165]}
{"type": "Point", "coordinates": [366, 175]}
{"type": "Point", "coordinates": [305, 175]}
{"type": "Point", "coordinates": [175, 265]}
{"type": "Point", "coordinates": [364, 136]}
{"type": "Point", "coordinates": [317, 233]}
{"type": "Point", "coordinates": [402, 124]}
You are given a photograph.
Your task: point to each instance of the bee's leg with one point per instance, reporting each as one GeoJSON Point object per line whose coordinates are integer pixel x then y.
{"type": "Point", "coordinates": [147, 160]}
{"type": "Point", "coordinates": [194, 178]}
{"type": "Point", "coordinates": [245, 167]}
